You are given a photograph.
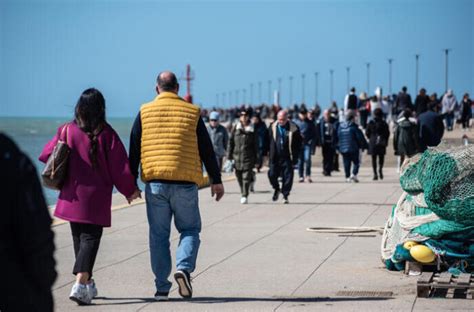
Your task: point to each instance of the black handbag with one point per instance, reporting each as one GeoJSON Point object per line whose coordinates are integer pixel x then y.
{"type": "Point", "coordinates": [55, 171]}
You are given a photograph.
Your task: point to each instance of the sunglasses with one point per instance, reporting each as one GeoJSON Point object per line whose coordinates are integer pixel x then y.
{"type": "Point", "coordinates": [213, 119]}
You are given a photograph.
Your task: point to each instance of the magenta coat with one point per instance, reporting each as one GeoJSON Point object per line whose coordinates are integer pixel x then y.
{"type": "Point", "coordinates": [86, 196]}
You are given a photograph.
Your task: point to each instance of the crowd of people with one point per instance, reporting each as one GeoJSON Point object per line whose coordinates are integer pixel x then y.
{"type": "Point", "coordinates": [292, 135]}
{"type": "Point", "coordinates": [170, 142]}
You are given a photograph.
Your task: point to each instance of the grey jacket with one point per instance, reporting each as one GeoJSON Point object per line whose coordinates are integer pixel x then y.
{"type": "Point", "coordinates": [219, 138]}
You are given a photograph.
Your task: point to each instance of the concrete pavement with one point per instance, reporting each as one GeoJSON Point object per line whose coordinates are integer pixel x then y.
{"type": "Point", "coordinates": [259, 257]}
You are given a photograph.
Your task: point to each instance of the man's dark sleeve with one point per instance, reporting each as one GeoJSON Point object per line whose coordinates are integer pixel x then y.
{"type": "Point", "coordinates": [206, 152]}
{"type": "Point", "coordinates": [135, 146]}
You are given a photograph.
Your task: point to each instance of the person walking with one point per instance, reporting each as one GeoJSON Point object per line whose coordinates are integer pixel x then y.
{"type": "Point", "coordinates": [261, 131]}
{"type": "Point", "coordinates": [363, 109]}
{"type": "Point", "coordinates": [219, 137]}
{"type": "Point", "coordinates": [26, 238]}
{"type": "Point", "coordinates": [466, 111]}
{"type": "Point", "coordinates": [350, 141]}
{"type": "Point", "coordinates": [243, 149]}
{"type": "Point", "coordinates": [431, 127]}
{"type": "Point", "coordinates": [327, 138]}
{"type": "Point", "coordinates": [351, 102]}
{"type": "Point", "coordinates": [169, 140]}
{"type": "Point", "coordinates": [405, 139]}
{"type": "Point", "coordinates": [449, 104]}
{"type": "Point", "coordinates": [308, 134]}
{"type": "Point", "coordinates": [285, 144]}
{"type": "Point", "coordinates": [97, 162]}
{"type": "Point", "coordinates": [378, 133]}
{"type": "Point", "coordinates": [403, 101]}
{"type": "Point", "coordinates": [421, 102]}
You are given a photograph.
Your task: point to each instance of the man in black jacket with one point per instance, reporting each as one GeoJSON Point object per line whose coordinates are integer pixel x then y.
{"type": "Point", "coordinates": [285, 145]}
{"type": "Point", "coordinates": [421, 102]}
{"type": "Point", "coordinates": [403, 101]}
{"type": "Point", "coordinates": [26, 238]}
{"type": "Point", "coordinates": [431, 128]}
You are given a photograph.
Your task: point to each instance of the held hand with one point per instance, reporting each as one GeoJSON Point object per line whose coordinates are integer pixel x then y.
{"type": "Point", "coordinates": [218, 190]}
{"type": "Point", "coordinates": [135, 195]}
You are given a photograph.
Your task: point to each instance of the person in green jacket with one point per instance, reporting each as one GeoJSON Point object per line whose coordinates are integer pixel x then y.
{"type": "Point", "coordinates": [243, 147]}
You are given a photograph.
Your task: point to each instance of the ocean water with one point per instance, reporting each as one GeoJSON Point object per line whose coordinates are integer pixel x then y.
{"type": "Point", "coordinates": [31, 134]}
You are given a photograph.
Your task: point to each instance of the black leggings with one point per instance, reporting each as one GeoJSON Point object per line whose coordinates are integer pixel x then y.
{"type": "Point", "coordinates": [374, 162]}
{"type": "Point", "coordinates": [86, 239]}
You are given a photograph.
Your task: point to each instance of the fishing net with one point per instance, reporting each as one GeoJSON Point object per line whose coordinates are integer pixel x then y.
{"type": "Point", "coordinates": [446, 177]}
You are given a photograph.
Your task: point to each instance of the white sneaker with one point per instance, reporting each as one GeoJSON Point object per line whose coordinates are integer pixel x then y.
{"type": "Point", "coordinates": [243, 200]}
{"type": "Point", "coordinates": [92, 289]}
{"type": "Point", "coordinates": [355, 179]}
{"type": "Point", "coordinates": [80, 294]}
{"type": "Point", "coordinates": [348, 180]}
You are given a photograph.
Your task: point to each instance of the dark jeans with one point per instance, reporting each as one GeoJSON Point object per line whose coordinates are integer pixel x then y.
{"type": "Point", "coordinates": [304, 160]}
{"type": "Point", "coordinates": [86, 239]}
{"type": "Point", "coordinates": [364, 114]}
{"type": "Point", "coordinates": [335, 165]}
{"type": "Point", "coordinates": [245, 178]}
{"type": "Point", "coordinates": [351, 158]}
{"type": "Point", "coordinates": [381, 158]}
{"type": "Point", "coordinates": [449, 121]}
{"type": "Point", "coordinates": [328, 157]}
{"type": "Point", "coordinates": [465, 122]}
{"type": "Point", "coordinates": [285, 170]}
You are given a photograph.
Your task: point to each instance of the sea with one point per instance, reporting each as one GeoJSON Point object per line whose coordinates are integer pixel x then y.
{"type": "Point", "coordinates": [31, 135]}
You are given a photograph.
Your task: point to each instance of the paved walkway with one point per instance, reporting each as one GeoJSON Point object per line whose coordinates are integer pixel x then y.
{"type": "Point", "coordinates": [259, 257]}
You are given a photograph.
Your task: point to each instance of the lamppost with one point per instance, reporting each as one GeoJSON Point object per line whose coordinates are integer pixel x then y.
{"type": "Point", "coordinates": [291, 90]}
{"type": "Point", "coordinates": [417, 57]}
{"type": "Point", "coordinates": [316, 87]}
{"type": "Point", "coordinates": [244, 91]}
{"type": "Point", "coordinates": [259, 92]}
{"type": "Point", "coordinates": [302, 88]}
{"type": "Point", "coordinates": [390, 60]}
{"type": "Point", "coordinates": [217, 99]}
{"type": "Point", "coordinates": [368, 77]}
{"type": "Point", "coordinates": [331, 85]}
{"type": "Point", "coordinates": [269, 91]}
{"type": "Point", "coordinates": [446, 51]}
{"type": "Point", "coordinates": [348, 71]}
{"type": "Point", "coordinates": [251, 94]}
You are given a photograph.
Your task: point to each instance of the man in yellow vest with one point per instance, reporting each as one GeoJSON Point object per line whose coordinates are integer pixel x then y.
{"type": "Point", "coordinates": [170, 142]}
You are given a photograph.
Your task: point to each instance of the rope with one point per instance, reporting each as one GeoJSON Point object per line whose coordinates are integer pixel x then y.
{"type": "Point", "coordinates": [346, 229]}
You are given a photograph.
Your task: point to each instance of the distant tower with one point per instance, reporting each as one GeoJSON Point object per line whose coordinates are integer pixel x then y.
{"type": "Point", "coordinates": [189, 76]}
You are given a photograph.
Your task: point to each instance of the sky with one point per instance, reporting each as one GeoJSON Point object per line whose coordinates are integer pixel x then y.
{"type": "Point", "coordinates": [50, 51]}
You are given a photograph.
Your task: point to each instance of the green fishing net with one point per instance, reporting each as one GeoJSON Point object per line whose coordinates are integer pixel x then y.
{"type": "Point", "coordinates": [446, 177]}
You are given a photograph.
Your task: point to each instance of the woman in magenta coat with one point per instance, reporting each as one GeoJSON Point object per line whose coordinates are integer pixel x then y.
{"type": "Point", "coordinates": [97, 162]}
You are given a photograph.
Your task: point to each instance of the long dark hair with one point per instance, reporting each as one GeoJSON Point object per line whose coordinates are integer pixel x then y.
{"type": "Point", "coordinates": [90, 117]}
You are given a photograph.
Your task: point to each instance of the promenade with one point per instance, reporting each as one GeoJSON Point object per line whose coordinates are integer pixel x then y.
{"type": "Point", "coordinates": [260, 257]}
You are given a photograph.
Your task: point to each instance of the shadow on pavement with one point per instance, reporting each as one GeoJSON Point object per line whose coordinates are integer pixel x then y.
{"type": "Point", "coordinates": [285, 299]}
{"type": "Point", "coordinates": [213, 300]}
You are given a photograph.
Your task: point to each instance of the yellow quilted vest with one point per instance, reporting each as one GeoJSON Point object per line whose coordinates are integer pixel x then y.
{"type": "Point", "coordinates": [169, 146]}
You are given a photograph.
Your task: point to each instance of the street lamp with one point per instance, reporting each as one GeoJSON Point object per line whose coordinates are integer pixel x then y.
{"type": "Point", "coordinates": [316, 87]}
{"type": "Point", "coordinates": [368, 77]}
{"type": "Point", "coordinates": [291, 90]}
{"type": "Point", "coordinates": [390, 60]}
{"type": "Point", "coordinates": [331, 85]}
{"type": "Point", "coordinates": [446, 51]}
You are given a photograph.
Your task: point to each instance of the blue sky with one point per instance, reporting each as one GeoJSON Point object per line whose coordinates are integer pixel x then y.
{"type": "Point", "coordinates": [50, 51]}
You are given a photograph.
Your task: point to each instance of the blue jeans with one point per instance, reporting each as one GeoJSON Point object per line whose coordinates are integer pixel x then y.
{"type": "Point", "coordinates": [349, 158]}
{"type": "Point", "coordinates": [449, 121]}
{"type": "Point", "coordinates": [164, 200]}
{"type": "Point", "coordinates": [305, 160]}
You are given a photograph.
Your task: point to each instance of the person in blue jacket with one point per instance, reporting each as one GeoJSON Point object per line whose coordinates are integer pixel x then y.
{"type": "Point", "coordinates": [350, 141]}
